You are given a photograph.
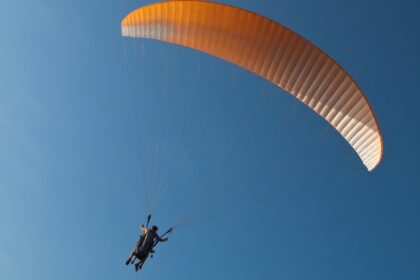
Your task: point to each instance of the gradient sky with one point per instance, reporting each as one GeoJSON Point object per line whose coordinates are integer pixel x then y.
{"type": "Point", "coordinates": [92, 122]}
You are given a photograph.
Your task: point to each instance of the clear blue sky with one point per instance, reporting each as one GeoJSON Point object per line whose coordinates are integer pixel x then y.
{"type": "Point", "coordinates": [90, 121]}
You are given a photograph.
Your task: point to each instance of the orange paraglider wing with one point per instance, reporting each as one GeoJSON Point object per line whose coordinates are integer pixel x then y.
{"type": "Point", "coordinates": [271, 51]}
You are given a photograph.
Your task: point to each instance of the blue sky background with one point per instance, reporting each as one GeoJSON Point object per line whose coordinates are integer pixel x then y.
{"type": "Point", "coordinates": [90, 122]}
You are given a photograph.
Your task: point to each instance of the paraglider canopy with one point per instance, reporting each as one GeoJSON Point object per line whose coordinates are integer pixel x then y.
{"type": "Point", "coordinates": [271, 51]}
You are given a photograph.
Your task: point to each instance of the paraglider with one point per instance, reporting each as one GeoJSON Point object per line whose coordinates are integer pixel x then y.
{"type": "Point", "coordinates": [146, 244]}
{"type": "Point", "coordinates": [272, 51]}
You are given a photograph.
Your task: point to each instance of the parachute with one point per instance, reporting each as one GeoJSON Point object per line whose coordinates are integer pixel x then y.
{"type": "Point", "coordinates": [272, 51]}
